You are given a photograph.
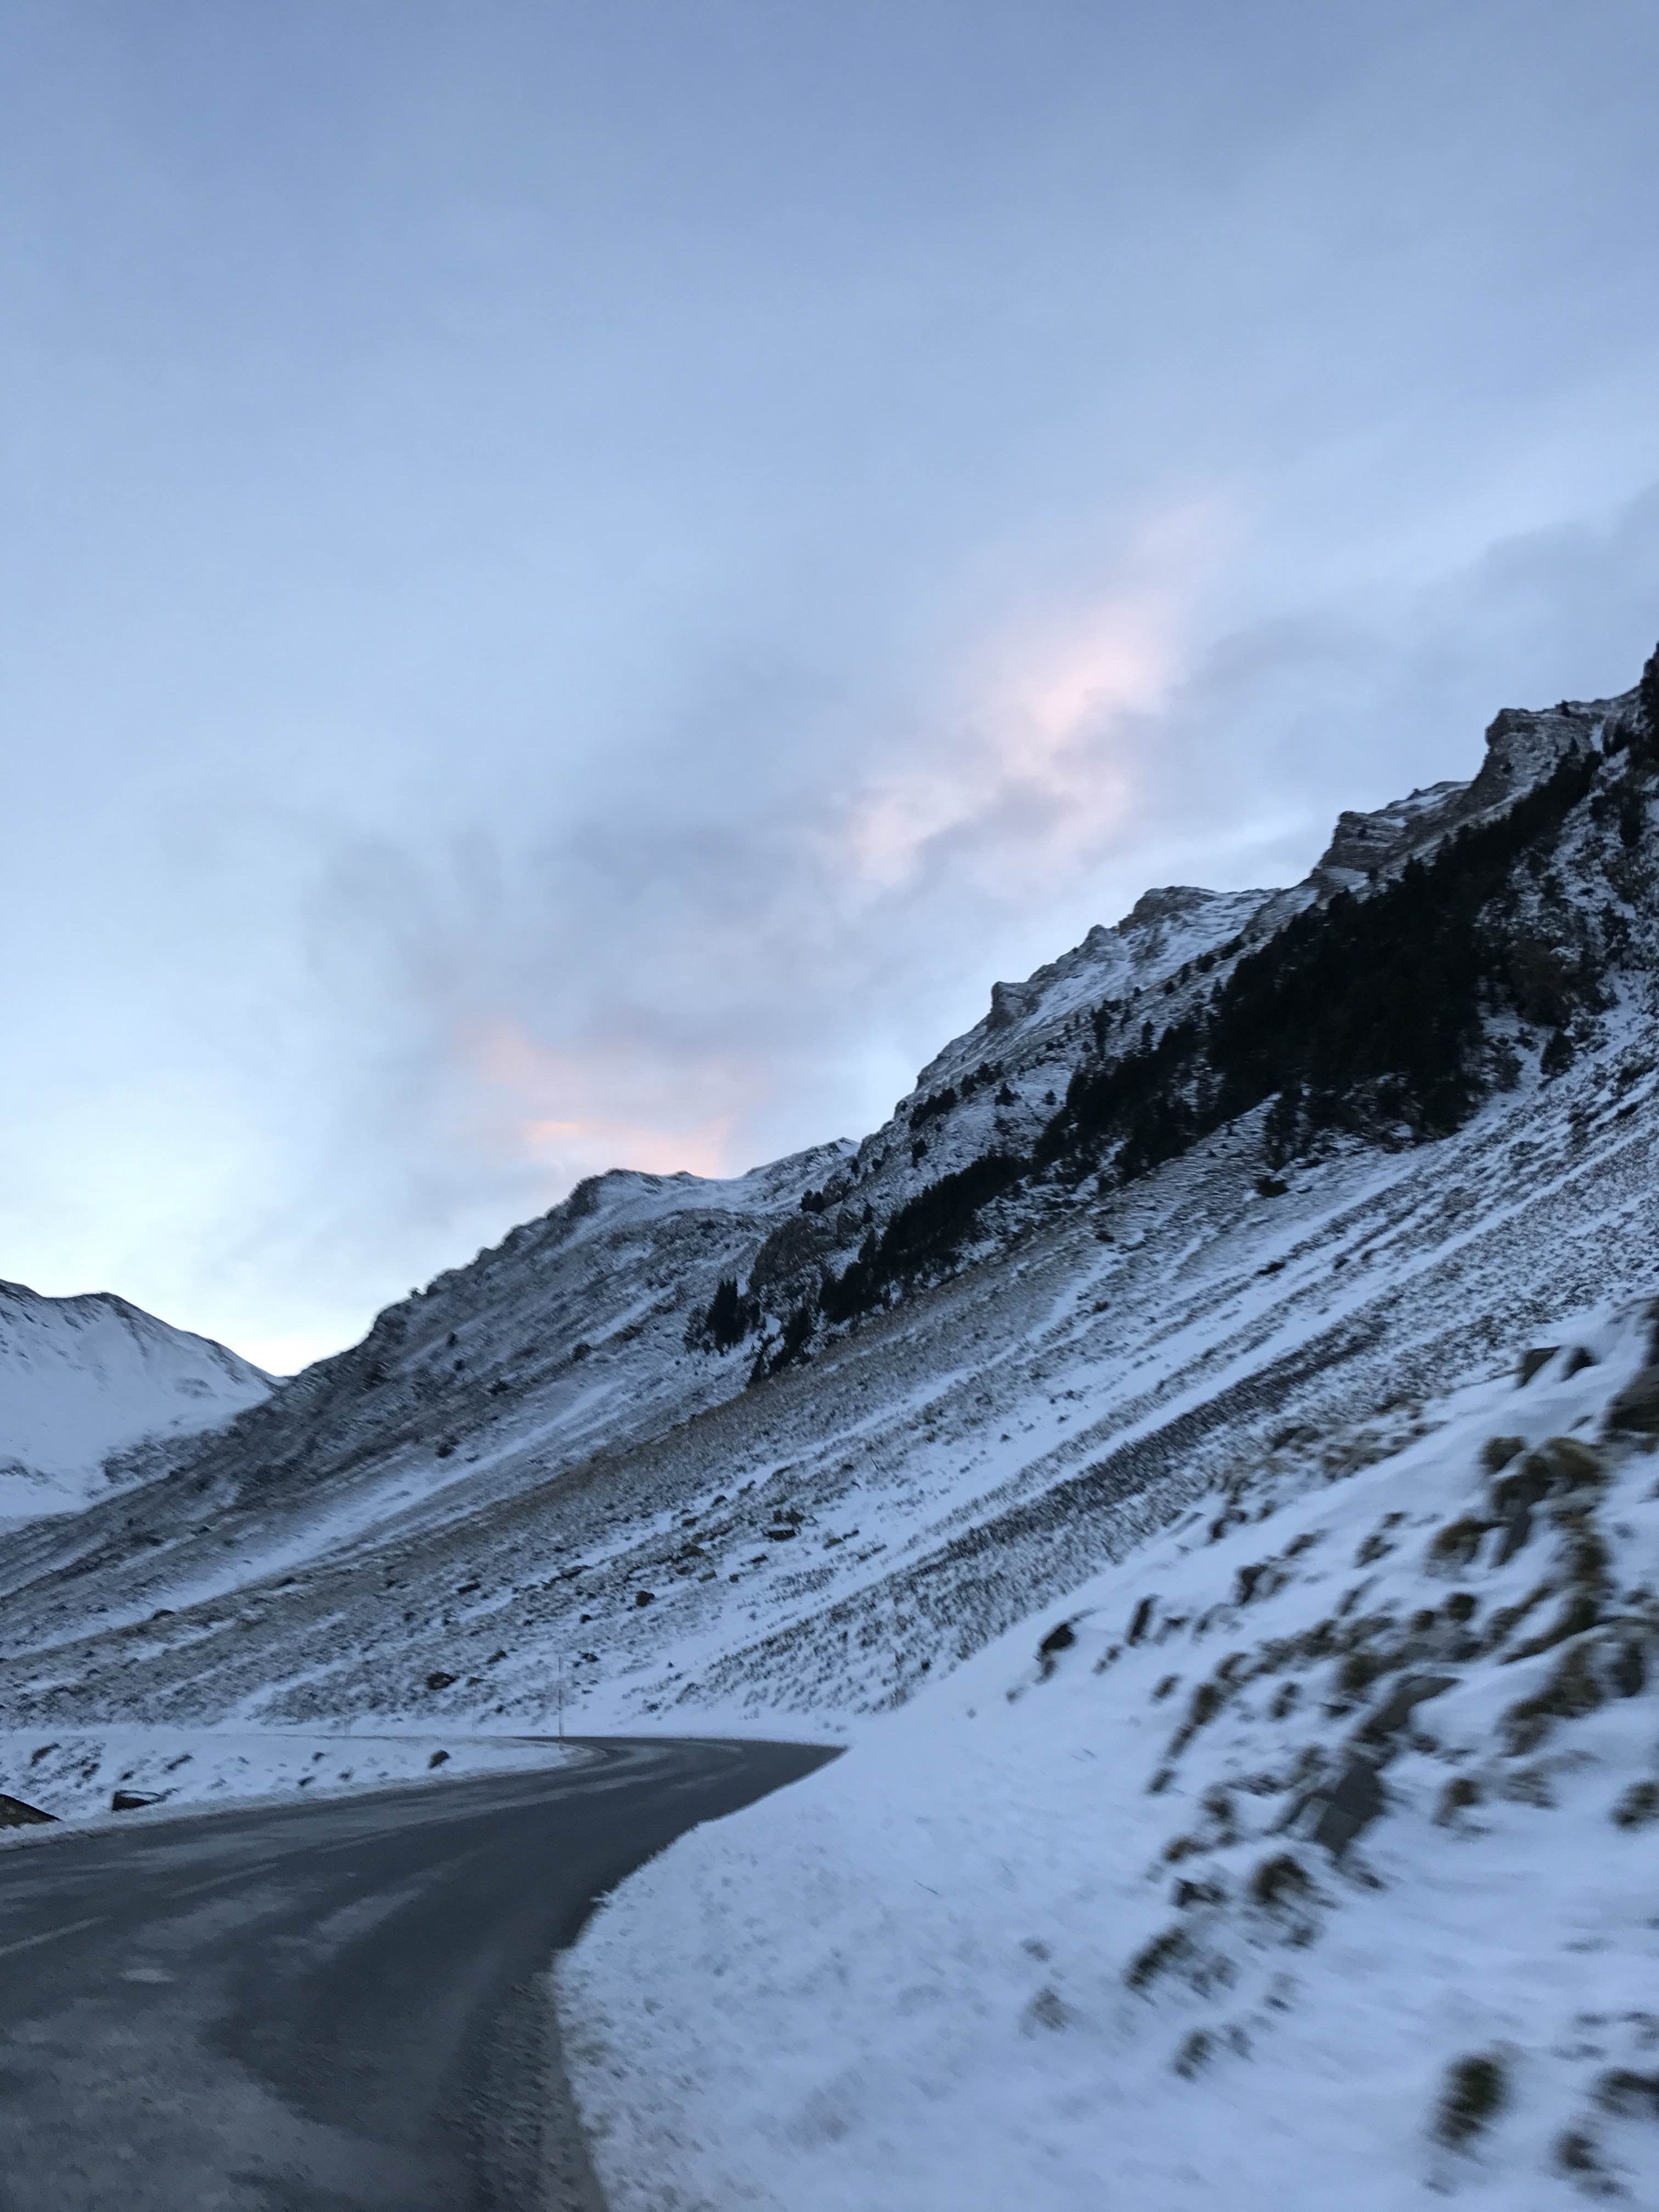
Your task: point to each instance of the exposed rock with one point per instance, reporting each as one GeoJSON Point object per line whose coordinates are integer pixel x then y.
{"type": "Point", "coordinates": [1009, 1003]}
{"type": "Point", "coordinates": [1401, 1703]}
{"type": "Point", "coordinates": [1347, 1809]}
{"type": "Point", "coordinates": [15, 1814]}
{"type": "Point", "coordinates": [1636, 1409]}
{"type": "Point", "coordinates": [1172, 903]}
{"type": "Point", "coordinates": [1056, 1641]}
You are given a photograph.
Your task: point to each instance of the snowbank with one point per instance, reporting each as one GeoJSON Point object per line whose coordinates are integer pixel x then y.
{"type": "Point", "coordinates": [73, 1773]}
{"type": "Point", "coordinates": [1060, 1933]}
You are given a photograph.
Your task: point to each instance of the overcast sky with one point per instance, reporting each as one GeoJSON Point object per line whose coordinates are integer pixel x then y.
{"type": "Point", "coordinates": [576, 582]}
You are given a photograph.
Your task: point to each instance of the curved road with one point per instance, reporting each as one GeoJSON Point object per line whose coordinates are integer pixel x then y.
{"type": "Point", "coordinates": [333, 2007]}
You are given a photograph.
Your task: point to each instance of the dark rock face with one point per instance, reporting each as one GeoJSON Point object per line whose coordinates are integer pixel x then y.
{"type": "Point", "coordinates": [1009, 1003]}
{"type": "Point", "coordinates": [134, 1800]}
{"type": "Point", "coordinates": [1349, 1808]}
{"type": "Point", "coordinates": [1056, 1641]}
{"type": "Point", "coordinates": [1636, 1409]}
{"type": "Point", "coordinates": [1401, 1703]}
{"type": "Point", "coordinates": [15, 1814]}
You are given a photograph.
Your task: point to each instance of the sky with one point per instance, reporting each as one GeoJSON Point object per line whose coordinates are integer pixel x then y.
{"type": "Point", "coordinates": [577, 581]}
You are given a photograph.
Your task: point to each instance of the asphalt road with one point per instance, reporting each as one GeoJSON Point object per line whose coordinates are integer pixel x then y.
{"type": "Point", "coordinates": [329, 2006]}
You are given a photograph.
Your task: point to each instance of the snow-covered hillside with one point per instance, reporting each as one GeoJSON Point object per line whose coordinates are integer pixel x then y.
{"type": "Point", "coordinates": [1304, 1858]}
{"type": "Point", "coordinates": [96, 1394]}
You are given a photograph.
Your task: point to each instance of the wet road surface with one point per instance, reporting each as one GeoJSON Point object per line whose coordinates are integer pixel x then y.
{"type": "Point", "coordinates": [329, 2007]}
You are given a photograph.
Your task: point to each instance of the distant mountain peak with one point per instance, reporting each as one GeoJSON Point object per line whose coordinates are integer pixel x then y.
{"type": "Point", "coordinates": [95, 1392]}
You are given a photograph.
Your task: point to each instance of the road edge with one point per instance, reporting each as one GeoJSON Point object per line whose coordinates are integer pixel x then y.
{"type": "Point", "coordinates": [61, 1826]}
{"type": "Point", "coordinates": [572, 2183]}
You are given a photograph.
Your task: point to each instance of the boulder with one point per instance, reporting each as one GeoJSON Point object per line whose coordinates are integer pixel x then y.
{"type": "Point", "coordinates": [15, 1814]}
{"type": "Point", "coordinates": [1401, 1703]}
{"type": "Point", "coordinates": [1636, 1409]}
{"type": "Point", "coordinates": [1347, 1808]}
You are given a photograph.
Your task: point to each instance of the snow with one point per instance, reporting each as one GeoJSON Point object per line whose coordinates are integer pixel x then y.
{"type": "Point", "coordinates": [87, 1382]}
{"type": "Point", "coordinates": [911, 1981]}
{"type": "Point", "coordinates": [73, 1773]}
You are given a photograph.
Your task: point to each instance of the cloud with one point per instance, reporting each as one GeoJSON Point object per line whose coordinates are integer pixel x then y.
{"type": "Point", "coordinates": [568, 1110]}
{"type": "Point", "coordinates": [1029, 760]}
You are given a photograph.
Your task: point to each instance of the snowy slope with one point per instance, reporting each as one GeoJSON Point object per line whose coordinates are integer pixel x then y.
{"type": "Point", "coordinates": [87, 1382]}
{"type": "Point", "coordinates": [1086, 1923]}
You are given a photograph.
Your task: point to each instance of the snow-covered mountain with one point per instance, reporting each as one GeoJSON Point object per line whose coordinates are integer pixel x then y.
{"type": "Point", "coordinates": [95, 1395]}
{"type": "Point", "coordinates": [1239, 1172]}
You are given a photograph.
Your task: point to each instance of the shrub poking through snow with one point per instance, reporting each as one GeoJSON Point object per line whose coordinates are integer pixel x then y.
{"type": "Point", "coordinates": [1173, 1948]}
{"type": "Point", "coordinates": [1623, 2090]}
{"type": "Point", "coordinates": [1577, 2157]}
{"type": "Point", "coordinates": [1194, 2054]}
{"type": "Point", "coordinates": [1207, 1700]}
{"type": "Point", "coordinates": [1048, 2009]}
{"type": "Point", "coordinates": [1573, 1464]}
{"type": "Point", "coordinates": [1454, 1546]}
{"type": "Point", "coordinates": [1638, 1806]}
{"type": "Point", "coordinates": [1475, 2091]}
{"type": "Point", "coordinates": [1280, 1879]}
{"type": "Point", "coordinates": [1571, 1691]}
{"type": "Point", "coordinates": [1460, 1794]}
{"type": "Point", "coordinates": [1506, 1619]}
